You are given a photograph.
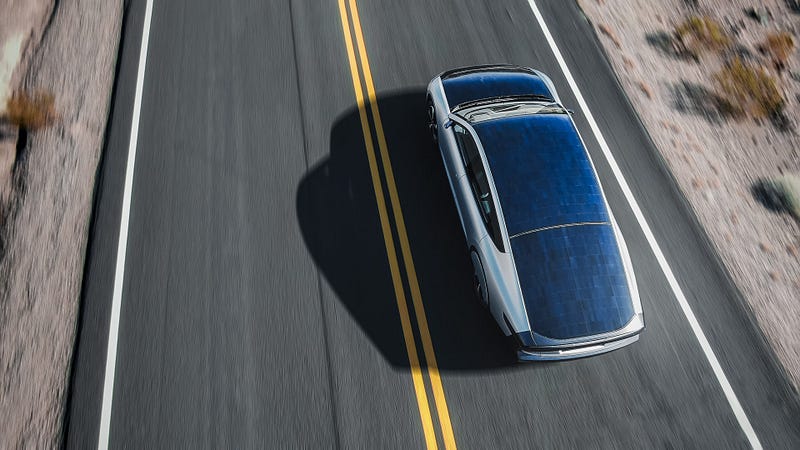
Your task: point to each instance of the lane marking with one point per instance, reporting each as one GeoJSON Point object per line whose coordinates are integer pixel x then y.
{"type": "Point", "coordinates": [730, 395]}
{"type": "Point", "coordinates": [119, 274]}
{"type": "Point", "coordinates": [416, 296]}
{"type": "Point", "coordinates": [391, 252]}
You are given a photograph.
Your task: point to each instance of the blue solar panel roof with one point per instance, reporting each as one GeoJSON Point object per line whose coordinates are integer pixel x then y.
{"type": "Point", "coordinates": [573, 281]}
{"type": "Point", "coordinates": [482, 85]}
{"type": "Point", "coordinates": [541, 171]}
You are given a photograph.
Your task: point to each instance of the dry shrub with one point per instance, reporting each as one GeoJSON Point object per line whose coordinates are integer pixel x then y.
{"type": "Point", "coordinates": [749, 90]}
{"type": "Point", "coordinates": [697, 35]}
{"type": "Point", "coordinates": [31, 111]}
{"type": "Point", "coordinates": [779, 47]}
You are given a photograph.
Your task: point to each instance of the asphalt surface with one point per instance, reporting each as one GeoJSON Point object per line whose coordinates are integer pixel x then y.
{"type": "Point", "coordinates": [258, 308]}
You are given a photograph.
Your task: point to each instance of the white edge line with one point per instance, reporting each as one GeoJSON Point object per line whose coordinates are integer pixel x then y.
{"type": "Point", "coordinates": [730, 395]}
{"type": "Point", "coordinates": [119, 275]}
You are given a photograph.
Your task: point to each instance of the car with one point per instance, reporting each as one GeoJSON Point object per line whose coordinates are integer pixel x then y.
{"type": "Point", "coordinates": [548, 258]}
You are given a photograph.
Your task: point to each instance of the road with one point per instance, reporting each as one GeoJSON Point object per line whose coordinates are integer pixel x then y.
{"type": "Point", "coordinates": [260, 304]}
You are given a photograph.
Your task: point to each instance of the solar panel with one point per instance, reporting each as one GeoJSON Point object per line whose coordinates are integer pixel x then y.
{"type": "Point", "coordinates": [573, 281]}
{"type": "Point", "coordinates": [541, 171]}
{"type": "Point", "coordinates": [482, 85]}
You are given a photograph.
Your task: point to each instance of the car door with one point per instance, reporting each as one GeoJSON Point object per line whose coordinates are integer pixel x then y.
{"type": "Point", "coordinates": [481, 211]}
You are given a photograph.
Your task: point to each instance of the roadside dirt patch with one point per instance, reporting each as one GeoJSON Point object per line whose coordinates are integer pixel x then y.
{"type": "Point", "coordinates": [22, 23]}
{"type": "Point", "coordinates": [716, 156]}
{"type": "Point", "coordinates": [45, 232]}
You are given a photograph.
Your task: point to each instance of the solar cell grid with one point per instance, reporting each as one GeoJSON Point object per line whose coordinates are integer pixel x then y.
{"type": "Point", "coordinates": [573, 281]}
{"type": "Point", "coordinates": [541, 171]}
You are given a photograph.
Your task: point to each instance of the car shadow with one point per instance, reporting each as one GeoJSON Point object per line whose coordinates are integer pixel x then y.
{"type": "Point", "coordinates": [338, 216]}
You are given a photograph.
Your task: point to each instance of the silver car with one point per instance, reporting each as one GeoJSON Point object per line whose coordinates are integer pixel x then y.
{"type": "Point", "coordinates": [549, 260]}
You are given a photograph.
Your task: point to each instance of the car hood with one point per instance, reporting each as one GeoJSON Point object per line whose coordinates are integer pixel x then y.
{"type": "Point", "coordinates": [573, 280]}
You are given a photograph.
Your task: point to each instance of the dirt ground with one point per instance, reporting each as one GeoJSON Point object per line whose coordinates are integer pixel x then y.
{"type": "Point", "coordinates": [44, 230]}
{"type": "Point", "coordinates": [715, 159]}
{"type": "Point", "coordinates": [21, 25]}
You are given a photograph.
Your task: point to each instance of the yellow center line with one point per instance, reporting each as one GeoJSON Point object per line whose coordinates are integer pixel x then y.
{"type": "Point", "coordinates": [405, 320]}
{"type": "Point", "coordinates": [416, 296]}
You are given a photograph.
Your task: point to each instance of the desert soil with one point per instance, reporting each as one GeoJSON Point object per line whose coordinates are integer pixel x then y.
{"type": "Point", "coordinates": [45, 226]}
{"type": "Point", "coordinates": [22, 23]}
{"type": "Point", "coordinates": [716, 160]}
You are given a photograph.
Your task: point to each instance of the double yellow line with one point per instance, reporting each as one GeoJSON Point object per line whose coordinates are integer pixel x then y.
{"type": "Point", "coordinates": [400, 227]}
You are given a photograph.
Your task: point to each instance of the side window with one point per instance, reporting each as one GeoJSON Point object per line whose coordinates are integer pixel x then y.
{"type": "Point", "coordinates": [469, 151]}
{"type": "Point", "coordinates": [479, 182]}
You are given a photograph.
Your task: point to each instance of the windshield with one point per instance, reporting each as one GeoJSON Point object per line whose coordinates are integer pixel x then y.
{"type": "Point", "coordinates": [480, 113]}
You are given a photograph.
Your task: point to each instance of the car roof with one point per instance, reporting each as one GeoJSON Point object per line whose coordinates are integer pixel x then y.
{"type": "Point", "coordinates": [482, 83]}
{"type": "Point", "coordinates": [541, 172]}
{"type": "Point", "coordinates": [569, 266]}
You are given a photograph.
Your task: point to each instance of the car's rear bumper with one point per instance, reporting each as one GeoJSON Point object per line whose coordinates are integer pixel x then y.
{"type": "Point", "coordinates": [557, 354]}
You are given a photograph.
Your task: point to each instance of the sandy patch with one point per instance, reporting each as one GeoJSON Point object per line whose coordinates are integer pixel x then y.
{"type": "Point", "coordinates": [10, 54]}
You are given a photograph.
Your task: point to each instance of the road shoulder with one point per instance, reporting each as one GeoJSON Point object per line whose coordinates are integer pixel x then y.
{"type": "Point", "coordinates": [714, 163]}
{"type": "Point", "coordinates": [46, 232]}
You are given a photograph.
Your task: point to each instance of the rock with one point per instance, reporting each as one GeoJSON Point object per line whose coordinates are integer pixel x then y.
{"type": "Point", "coordinates": [10, 54]}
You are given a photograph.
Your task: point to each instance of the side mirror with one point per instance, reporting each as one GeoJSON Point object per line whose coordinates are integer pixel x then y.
{"type": "Point", "coordinates": [571, 112]}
